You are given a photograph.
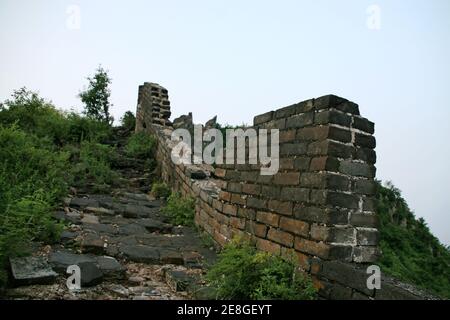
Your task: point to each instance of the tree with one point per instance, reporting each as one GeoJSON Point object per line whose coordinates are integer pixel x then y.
{"type": "Point", "coordinates": [96, 96]}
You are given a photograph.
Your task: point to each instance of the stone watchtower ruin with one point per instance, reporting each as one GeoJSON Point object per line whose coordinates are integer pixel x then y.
{"type": "Point", "coordinates": [320, 205]}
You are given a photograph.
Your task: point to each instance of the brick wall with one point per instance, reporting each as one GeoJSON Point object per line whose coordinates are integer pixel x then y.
{"type": "Point", "coordinates": [319, 206]}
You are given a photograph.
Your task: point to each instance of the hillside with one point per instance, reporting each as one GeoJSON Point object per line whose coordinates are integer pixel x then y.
{"type": "Point", "coordinates": [410, 251]}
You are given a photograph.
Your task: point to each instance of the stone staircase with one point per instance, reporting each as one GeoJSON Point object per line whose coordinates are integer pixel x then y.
{"type": "Point", "coordinates": [125, 247]}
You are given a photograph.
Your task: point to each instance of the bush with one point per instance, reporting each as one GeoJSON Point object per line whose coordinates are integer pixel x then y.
{"type": "Point", "coordinates": [180, 210]}
{"type": "Point", "coordinates": [160, 190]}
{"type": "Point", "coordinates": [37, 116]}
{"type": "Point", "coordinates": [94, 164]}
{"type": "Point", "coordinates": [33, 177]}
{"type": "Point", "coordinates": [128, 121]}
{"type": "Point", "coordinates": [243, 273]}
{"type": "Point", "coordinates": [410, 251]}
{"type": "Point", "coordinates": [141, 145]}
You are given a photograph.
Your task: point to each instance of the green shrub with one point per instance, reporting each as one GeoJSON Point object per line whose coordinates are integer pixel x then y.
{"type": "Point", "coordinates": [93, 164]}
{"type": "Point", "coordinates": [410, 251]}
{"type": "Point", "coordinates": [180, 210]}
{"type": "Point", "coordinates": [242, 273]}
{"type": "Point", "coordinates": [82, 128]}
{"type": "Point", "coordinates": [38, 116]}
{"type": "Point", "coordinates": [160, 190]}
{"type": "Point", "coordinates": [128, 121]}
{"type": "Point", "coordinates": [33, 177]}
{"type": "Point", "coordinates": [141, 145]}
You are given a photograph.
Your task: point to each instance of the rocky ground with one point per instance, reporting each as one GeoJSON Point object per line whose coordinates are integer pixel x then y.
{"type": "Point", "coordinates": [124, 246]}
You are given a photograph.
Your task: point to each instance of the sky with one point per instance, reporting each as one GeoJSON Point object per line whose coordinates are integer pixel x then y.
{"type": "Point", "coordinates": [237, 59]}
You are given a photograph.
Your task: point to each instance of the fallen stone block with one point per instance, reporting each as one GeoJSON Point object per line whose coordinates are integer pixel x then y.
{"type": "Point", "coordinates": [31, 270]}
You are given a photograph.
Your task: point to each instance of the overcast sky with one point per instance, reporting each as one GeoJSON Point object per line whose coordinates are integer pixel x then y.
{"type": "Point", "coordinates": [237, 59]}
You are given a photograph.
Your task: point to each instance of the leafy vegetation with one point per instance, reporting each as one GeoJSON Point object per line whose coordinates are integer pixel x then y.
{"type": "Point", "coordinates": [43, 151]}
{"type": "Point", "coordinates": [141, 145]}
{"type": "Point", "coordinates": [242, 272]}
{"type": "Point", "coordinates": [180, 210]}
{"type": "Point", "coordinates": [94, 164]}
{"type": "Point", "coordinates": [410, 252]}
{"type": "Point", "coordinates": [96, 96]}
{"type": "Point", "coordinates": [33, 177]}
{"type": "Point", "coordinates": [161, 190]}
{"type": "Point", "coordinates": [128, 121]}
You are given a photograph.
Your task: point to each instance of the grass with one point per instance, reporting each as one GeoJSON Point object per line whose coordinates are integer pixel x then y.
{"type": "Point", "coordinates": [243, 273]}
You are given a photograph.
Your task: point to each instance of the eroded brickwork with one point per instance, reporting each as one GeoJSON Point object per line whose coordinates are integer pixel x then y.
{"type": "Point", "coordinates": [319, 206]}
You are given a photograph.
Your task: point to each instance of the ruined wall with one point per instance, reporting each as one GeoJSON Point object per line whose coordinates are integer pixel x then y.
{"type": "Point", "coordinates": [319, 205]}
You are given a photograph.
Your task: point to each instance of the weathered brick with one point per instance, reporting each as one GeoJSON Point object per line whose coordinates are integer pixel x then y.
{"type": "Point", "coordinates": [295, 226]}
{"type": "Point", "coordinates": [269, 218]}
{"type": "Point", "coordinates": [246, 213]}
{"type": "Point", "coordinates": [339, 292]}
{"type": "Point", "coordinates": [365, 254]}
{"type": "Point", "coordinates": [283, 207]}
{"type": "Point", "coordinates": [271, 191]}
{"type": "Point", "coordinates": [333, 117]}
{"type": "Point", "coordinates": [285, 112]}
{"type": "Point", "coordinates": [252, 189]}
{"type": "Point", "coordinates": [220, 173]}
{"type": "Point", "coordinates": [268, 246]}
{"type": "Point", "coordinates": [287, 136]}
{"type": "Point", "coordinates": [320, 215]}
{"type": "Point", "coordinates": [301, 163]}
{"type": "Point", "coordinates": [287, 178]}
{"type": "Point", "coordinates": [256, 203]}
{"type": "Point", "coordinates": [337, 182]}
{"type": "Point", "coordinates": [300, 120]}
{"type": "Point", "coordinates": [318, 249]}
{"type": "Point", "coordinates": [226, 196]}
{"type": "Point", "coordinates": [264, 179]}
{"type": "Point", "coordinates": [313, 133]}
{"type": "Point", "coordinates": [305, 106]}
{"type": "Point", "coordinates": [286, 164]}
{"type": "Point", "coordinates": [365, 141]}
{"type": "Point", "coordinates": [234, 187]}
{"type": "Point", "coordinates": [258, 229]}
{"type": "Point", "coordinates": [342, 200]}
{"type": "Point", "coordinates": [342, 235]}
{"type": "Point", "coordinates": [363, 124]}
{"type": "Point", "coordinates": [295, 194]}
{"type": "Point", "coordinates": [249, 176]}
{"type": "Point", "coordinates": [237, 223]}
{"type": "Point", "coordinates": [364, 220]}
{"type": "Point", "coordinates": [230, 209]}
{"type": "Point", "coordinates": [293, 149]}
{"type": "Point", "coordinates": [232, 175]}
{"type": "Point", "coordinates": [281, 237]}
{"type": "Point", "coordinates": [313, 180]}
{"type": "Point", "coordinates": [303, 261]}
{"type": "Point", "coordinates": [363, 186]}
{"type": "Point", "coordinates": [324, 132]}
{"type": "Point", "coordinates": [217, 205]}
{"type": "Point", "coordinates": [367, 236]}
{"type": "Point", "coordinates": [329, 148]}
{"type": "Point", "coordinates": [238, 199]}
{"type": "Point", "coordinates": [346, 273]}
{"type": "Point", "coordinates": [369, 204]}
{"type": "Point", "coordinates": [265, 117]}
{"type": "Point", "coordinates": [357, 169]}
{"type": "Point", "coordinates": [328, 101]}
{"type": "Point", "coordinates": [365, 154]}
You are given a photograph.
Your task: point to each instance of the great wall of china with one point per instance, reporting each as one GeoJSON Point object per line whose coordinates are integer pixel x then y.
{"type": "Point", "coordinates": [319, 206]}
